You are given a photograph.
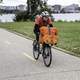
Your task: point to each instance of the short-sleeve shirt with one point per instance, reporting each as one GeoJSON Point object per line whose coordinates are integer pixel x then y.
{"type": "Point", "coordinates": [40, 22]}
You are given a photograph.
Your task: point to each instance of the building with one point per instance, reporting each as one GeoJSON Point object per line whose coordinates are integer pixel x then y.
{"type": "Point", "coordinates": [7, 9]}
{"type": "Point", "coordinates": [55, 8]}
{"type": "Point", "coordinates": [22, 7]}
{"type": "Point", "coordinates": [74, 8]}
{"type": "Point", "coordinates": [4, 8]}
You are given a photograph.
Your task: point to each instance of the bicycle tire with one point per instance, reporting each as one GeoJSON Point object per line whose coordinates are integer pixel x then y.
{"type": "Point", "coordinates": [35, 50]}
{"type": "Point", "coordinates": [47, 54]}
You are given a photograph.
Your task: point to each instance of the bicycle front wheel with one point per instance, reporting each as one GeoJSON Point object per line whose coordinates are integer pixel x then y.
{"type": "Point", "coordinates": [47, 55]}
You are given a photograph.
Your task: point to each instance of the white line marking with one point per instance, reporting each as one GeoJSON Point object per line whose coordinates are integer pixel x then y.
{"type": "Point", "coordinates": [7, 42]}
{"type": "Point", "coordinates": [31, 58]}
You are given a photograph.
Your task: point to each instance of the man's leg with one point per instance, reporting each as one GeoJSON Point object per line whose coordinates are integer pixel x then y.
{"type": "Point", "coordinates": [36, 32]}
{"type": "Point", "coordinates": [37, 37]}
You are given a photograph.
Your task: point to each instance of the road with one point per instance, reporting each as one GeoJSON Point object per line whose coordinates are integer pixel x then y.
{"type": "Point", "coordinates": [17, 62]}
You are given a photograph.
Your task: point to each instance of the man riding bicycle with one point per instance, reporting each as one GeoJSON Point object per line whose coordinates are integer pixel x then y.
{"type": "Point", "coordinates": [47, 37]}
{"type": "Point", "coordinates": [41, 20]}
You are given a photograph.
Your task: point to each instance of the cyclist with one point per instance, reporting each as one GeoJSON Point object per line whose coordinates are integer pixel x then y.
{"type": "Point", "coordinates": [41, 20]}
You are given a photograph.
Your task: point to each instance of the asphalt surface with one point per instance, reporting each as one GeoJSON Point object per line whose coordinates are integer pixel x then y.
{"type": "Point", "coordinates": [17, 62]}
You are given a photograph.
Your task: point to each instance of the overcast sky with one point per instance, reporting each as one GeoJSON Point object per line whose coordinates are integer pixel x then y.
{"type": "Point", "coordinates": [63, 2]}
{"type": "Point", "coordinates": [51, 2]}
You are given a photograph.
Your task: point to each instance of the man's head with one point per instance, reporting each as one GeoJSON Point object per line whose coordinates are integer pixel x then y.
{"type": "Point", "coordinates": [45, 15]}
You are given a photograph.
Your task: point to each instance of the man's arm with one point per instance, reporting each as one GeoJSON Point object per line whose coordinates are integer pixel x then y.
{"type": "Point", "coordinates": [36, 28]}
{"type": "Point", "coordinates": [50, 22]}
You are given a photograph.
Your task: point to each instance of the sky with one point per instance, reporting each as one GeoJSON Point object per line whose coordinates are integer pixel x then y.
{"type": "Point", "coordinates": [50, 2]}
{"type": "Point", "coordinates": [13, 2]}
{"type": "Point", "coordinates": [63, 2]}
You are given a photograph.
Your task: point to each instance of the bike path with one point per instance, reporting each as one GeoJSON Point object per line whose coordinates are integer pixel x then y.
{"type": "Point", "coordinates": [17, 62]}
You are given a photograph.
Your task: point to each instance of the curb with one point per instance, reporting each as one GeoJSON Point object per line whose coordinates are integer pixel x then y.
{"type": "Point", "coordinates": [57, 48]}
{"type": "Point", "coordinates": [63, 50]}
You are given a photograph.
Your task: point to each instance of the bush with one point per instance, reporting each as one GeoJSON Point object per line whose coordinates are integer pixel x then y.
{"type": "Point", "coordinates": [19, 16]}
{"type": "Point", "coordinates": [77, 20]}
{"type": "Point", "coordinates": [23, 16]}
{"type": "Point", "coordinates": [60, 21]}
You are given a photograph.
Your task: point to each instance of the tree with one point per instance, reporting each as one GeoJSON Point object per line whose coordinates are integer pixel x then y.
{"type": "Point", "coordinates": [1, 1]}
{"type": "Point", "coordinates": [33, 7]}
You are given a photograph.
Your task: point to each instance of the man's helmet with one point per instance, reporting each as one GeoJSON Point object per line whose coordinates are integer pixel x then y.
{"type": "Point", "coordinates": [45, 14]}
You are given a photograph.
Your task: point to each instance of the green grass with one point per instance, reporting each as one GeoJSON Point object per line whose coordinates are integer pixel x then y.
{"type": "Point", "coordinates": [25, 28]}
{"type": "Point", "coordinates": [69, 36]}
{"type": "Point", "coordinates": [69, 33]}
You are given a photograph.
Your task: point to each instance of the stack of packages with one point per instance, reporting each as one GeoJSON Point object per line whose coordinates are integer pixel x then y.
{"type": "Point", "coordinates": [48, 35]}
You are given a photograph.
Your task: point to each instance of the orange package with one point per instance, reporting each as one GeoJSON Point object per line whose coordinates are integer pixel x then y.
{"type": "Point", "coordinates": [45, 37]}
{"type": "Point", "coordinates": [53, 31]}
{"type": "Point", "coordinates": [44, 30]}
{"type": "Point", "coordinates": [54, 35]}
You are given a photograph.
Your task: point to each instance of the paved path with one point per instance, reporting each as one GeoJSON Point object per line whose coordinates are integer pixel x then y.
{"type": "Point", "coordinates": [17, 62]}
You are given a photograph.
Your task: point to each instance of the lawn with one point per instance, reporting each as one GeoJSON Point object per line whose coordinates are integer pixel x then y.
{"type": "Point", "coordinates": [69, 33]}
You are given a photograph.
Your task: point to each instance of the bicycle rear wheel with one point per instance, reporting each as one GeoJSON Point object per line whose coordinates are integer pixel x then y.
{"type": "Point", "coordinates": [47, 55]}
{"type": "Point", "coordinates": [35, 49]}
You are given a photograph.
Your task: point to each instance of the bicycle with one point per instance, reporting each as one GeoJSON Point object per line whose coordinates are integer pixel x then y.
{"type": "Point", "coordinates": [43, 48]}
